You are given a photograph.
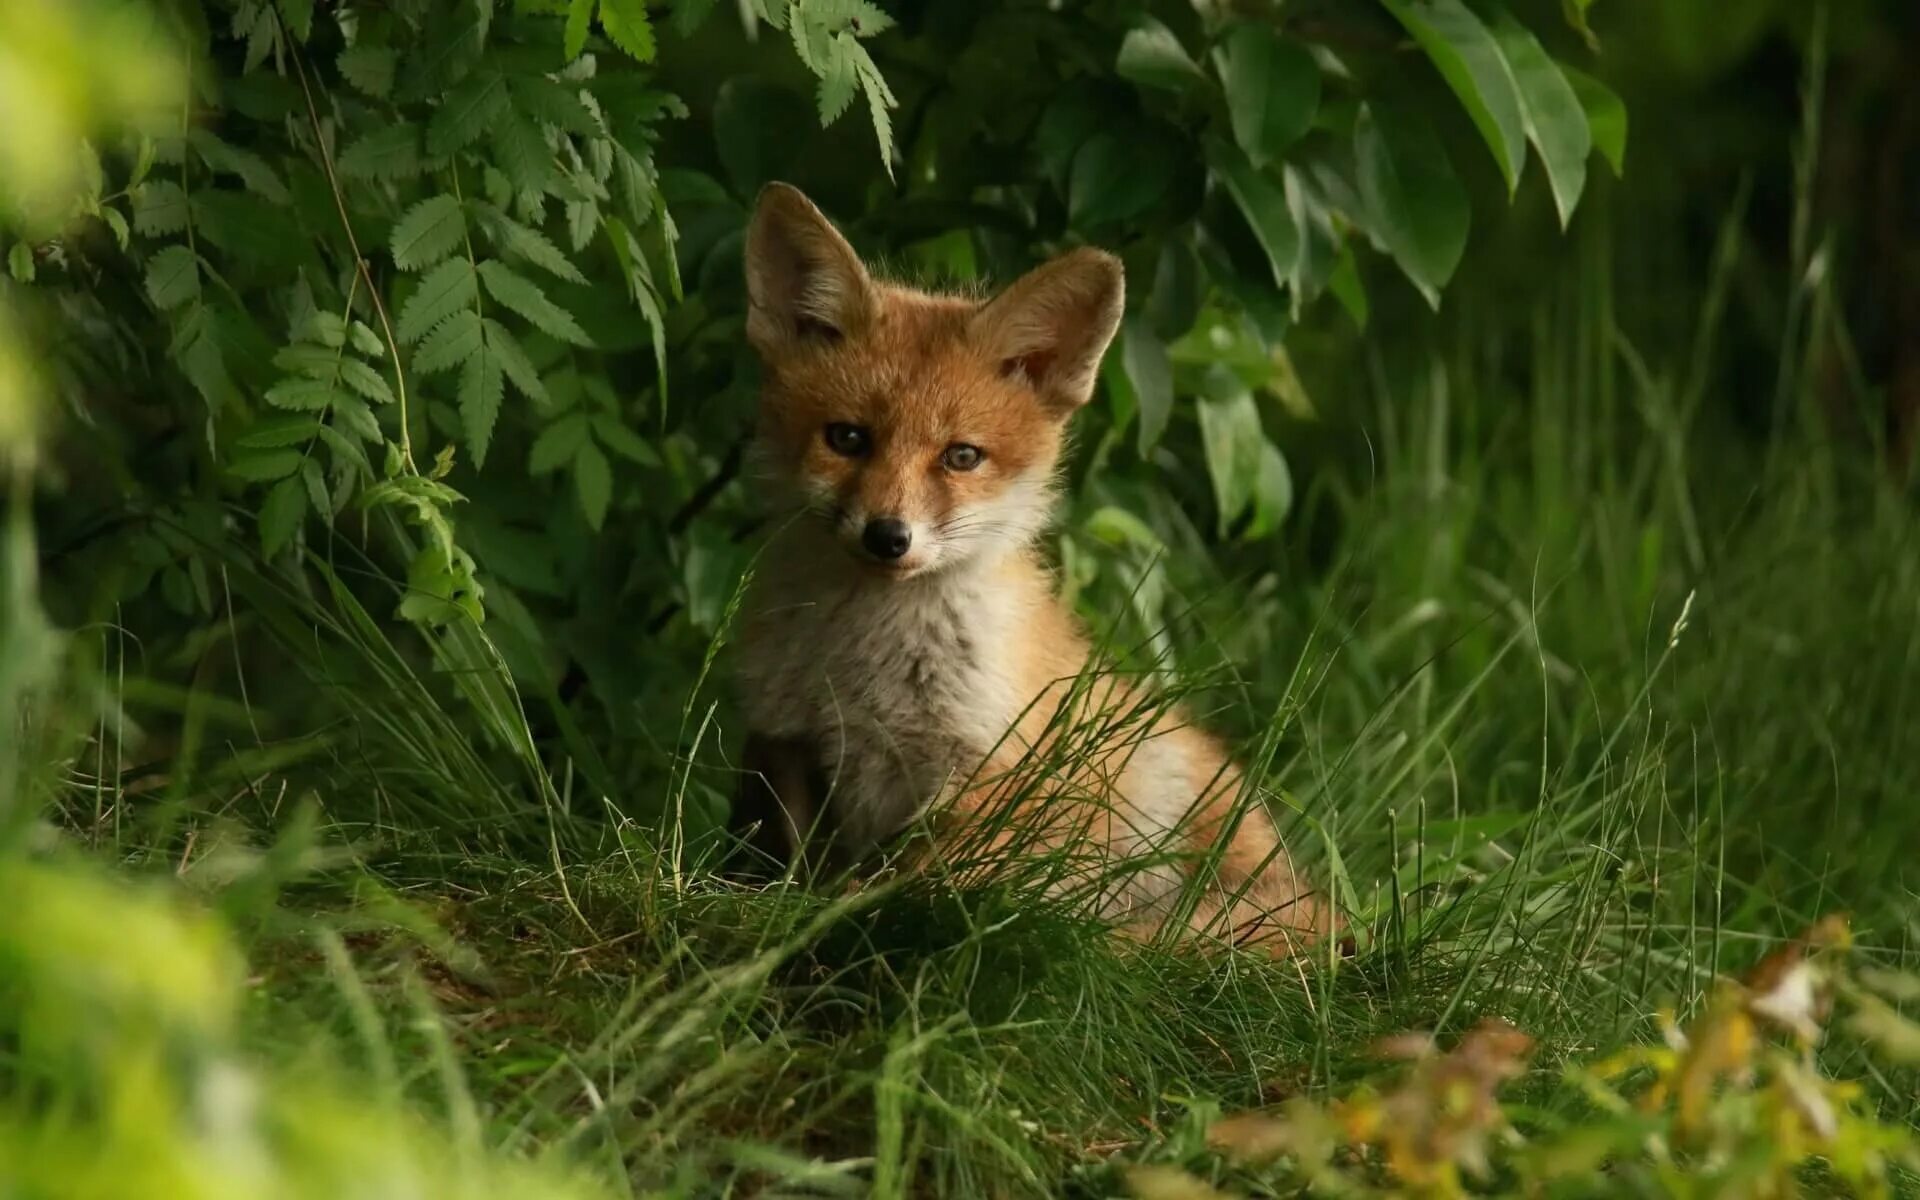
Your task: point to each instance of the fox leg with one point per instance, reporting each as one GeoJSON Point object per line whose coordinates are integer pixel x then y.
{"type": "Point", "coordinates": [777, 802]}
{"type": "Point", "coordinates": [1254, 897]}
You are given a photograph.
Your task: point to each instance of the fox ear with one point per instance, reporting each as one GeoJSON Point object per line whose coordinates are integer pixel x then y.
{"type": "Point", "coordinates": [803, 280]}
{"type": "Point", "coordinates": [1054, 324]}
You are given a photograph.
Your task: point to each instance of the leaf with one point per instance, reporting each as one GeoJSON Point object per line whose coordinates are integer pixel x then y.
{"type": "Point", "coordinates": [366, 341]}
{"type": "Point", "coordinates": [880, 97]}
{"type": "Point", "coordinates": [1230, 438]}
{"type": "Point", "coordinates": [1272, 491]}
{"type": "Point", "coordinates": [481, 387]}
{"type": "Point", "coordinates": [514, 362]}
{"type": "Point", "coordinates": [519, 241]}
{"type": "Point", "coordinates": [1471, 62]}
{"type": "Point", "coordinates": [524, 296]}
{"type": "Point", "coordinates": [457, 339]}
{"type": "Point", "coordinates": [1606, 117]}
{"type": "Point", "coordinates": [1143, 358]}
{"type": "Point", "coordinates": [1575, 12]}
{"type": "Point", "coordinates": [1346, 286]}
{"type": "Point", "coordinates": [276, 432]}
{"type": "Point", "coordinates": [443, 291]}
{"type": "Point", "coordinates": [428, 232]}
{"type": "Point", "coordinates": [625, 24]}
{"type": "Point", "coordinates": [392, 152]}
{"type": "Point", "coordinates": [579, 20]}
{"type": "Point", "coordinates": [520, 149]}
{"type": "Point", "coordinates": [608, 430]}
{"type": "Point", "coordinates": [304, 393]}
{"type": "Point", "coordinates": [1262, 202]}
{"type": "Point", "coordinates": [838, 83]}
{"type": "Point", "coordinates": [250, 167]}
{"type": "Point", "coordinates": [280, 514]}
{"type": "Point", "coordinates": [1150, 54]}
{"type": "Point", "coordinates": [365, 380]}
{"type": "Point", "coordinates": [159, 207]}
{"type": "Point", "coordinates": [368, 67]}
{"type": "Point", "coordinates": [593, 483]}
{"type": "Point", "coordinates": [1107, 183]}
{"type": "Point", "coordinates": [173, 277]}
{"type": "Point", "coordinates": [259, 468]}
{"type": "Point", "coordinates": [20, 262]}
{"type": "Point", "coordinates": [1416, 206]}
{"type": "Point", "coordinates": [1273, 90]}
{"type": "Point", "coordinates": [117, 223]}
{"type": "Point", "coordinates": [1550, 111]}
{"type": "Point", "coordinates": [553, 103]}
{"type": "Point", "coordinates": [356, 418]}
{"type": "Point", "coordinates": [316, 484]}
{"type": "Point", "coordinates": [466, 113]}
{"type": "Point", "coordinates": [558, 444]}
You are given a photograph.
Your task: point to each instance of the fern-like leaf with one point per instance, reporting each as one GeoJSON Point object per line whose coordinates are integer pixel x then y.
{"type": "Point", "coordinates": [515, 363]}
{"type": "Point", "coordinates": [443, 291]}
{"type": "Point", "coordinates": [515, 240]}
{"type": "Point", "coordinates": [466, 113]}
{"type": "Point", "coordinates": [626, 23]}
{"type": "Point", "coordinates": [481, 387]}
{"type": "Point", "coordinates": [457, 339]}
{"type": "Point", "coordinates": [428, 233]}
{"type": "Point", "coordinates": [392, 152]}
{"type": "Point", "coordinates": [173, 277]}
{"type": "Point", "coordinates": [524, 296]}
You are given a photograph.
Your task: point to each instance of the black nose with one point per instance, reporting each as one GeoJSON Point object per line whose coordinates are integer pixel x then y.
{"type": "Point", "coordinates": [886, 537]}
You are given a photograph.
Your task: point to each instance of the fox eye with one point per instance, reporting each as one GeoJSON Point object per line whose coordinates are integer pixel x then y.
{"type": "Point", "coordinates": [962, 457]}
{"type": "Point", "coordinates": [848, 441]}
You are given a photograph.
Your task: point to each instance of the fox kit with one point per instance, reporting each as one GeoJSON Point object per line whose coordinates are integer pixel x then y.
{"type": "Point", "coordinates": [902, 647]}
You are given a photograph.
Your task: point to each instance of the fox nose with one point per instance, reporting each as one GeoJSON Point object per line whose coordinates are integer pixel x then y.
{"type": "Point", "coordinates": [886, 537]}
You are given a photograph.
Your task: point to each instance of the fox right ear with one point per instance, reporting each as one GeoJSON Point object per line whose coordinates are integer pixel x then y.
{"type": "Point", "coordinates": [803, 279]}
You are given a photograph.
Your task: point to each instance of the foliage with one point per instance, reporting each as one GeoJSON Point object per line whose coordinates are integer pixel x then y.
{"type": "Point", "coordinates": [1717, 1108]}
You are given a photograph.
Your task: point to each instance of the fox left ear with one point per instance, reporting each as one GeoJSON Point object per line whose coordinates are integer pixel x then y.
{"type": "Point", "coordinates": [1054, 324]}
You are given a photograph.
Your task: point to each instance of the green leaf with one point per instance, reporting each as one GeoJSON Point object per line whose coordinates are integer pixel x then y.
{"type": "Point", "coordinates": [839, 80]}
{"type": "Point", "coordinates": [1143, 358]}
{"type": "Point", "coordinates": [558, 444]}
{"type": "Point", "coordinates": [305, 394]}
{"type": "Point", "coordinates": [276, 432]}
{"type": "Point", "coordinates": [1262, 202]}
{"type": "Point", "coordinates": [625, 23]}
{"type": "Point", "coordinates": [520, 150]}
{"type": "Point", "coordinates": [428, 233]}
{"type": "Point", "coordinates": [1273, 90]}
{"type": "Point", "coordinates": [369, 68]}
{"type": "Point", "coordinates": [1551, 112]}
{"type": "Point", "coordinates": [259, 468]}
{"type": "Point", "coordinates": [280, 514]}
{"type": "Point", "coordinates": [1416, 206]}
{"type": "Point", "coordinates": [514, 362]}
{"type": "Point", "coordinates": [481, 387]}
{"type": "Point", "coordinates": [1346, 286]}
{"type": "Point", "coordinates": [1150, 54]}
{"type": "Point", "coordinates": [466, 113]}
{"type": "Point", "coordinates": [524, 296]}
{"type": "Point", "coordinates": [554, 103]}
{"type": "Point", "coordinates": [159, 207]}
{"type": "Point", "coordinates": [443, 291]}
{"type": "Point", "coordinates": [366, 341]}
{"type": "Point", "coordinates": [173, 277]}
{"type": "Point", "coordinates": [1471, 62]}
{"type": "Point", "coordinates": [1272, 491]}
{"type": "Point", "coordinates": [1107, 183]}
{"type": "Point", "coordinates": [1230, 438]}
{"type": "Point", "coordinates": [457, 339]}
{"type": "Point", "coordinates": [316, 485]}
{"type": "Point", "coordinates": [356, 418]}
{"type": "Point", "coordinates": [579, 21]}
{"type": "Point", "coordinates": [880, 98]}
{"type": "Point", "coordinates": [1606, 117]}
{"type": "Point", "coordinates": [390, 152]}
{"type": "Point", "coordinates": [616, 437]}
{"type": "Point", "coordinates": [1575, 12]}
{"type": "Point", "coordinates": [518, 241]}
{"type": "Point", "coordinates": [593, 483]}
{"type": "Point", "coordinates": [20, 263]}
{"type": "Point", "coordinates": [117, 223]}
{"type": "Point", "coordinates": [250, 167]}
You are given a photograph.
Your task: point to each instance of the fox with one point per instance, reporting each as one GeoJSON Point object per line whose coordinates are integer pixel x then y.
{"type": "Point", "coordinates": [902, 650]}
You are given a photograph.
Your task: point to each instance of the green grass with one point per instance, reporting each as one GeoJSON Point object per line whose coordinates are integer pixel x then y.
{"type": "Point", "coordinates": [1594, 701]}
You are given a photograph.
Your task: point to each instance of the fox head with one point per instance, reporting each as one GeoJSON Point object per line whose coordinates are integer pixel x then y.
{"type": "Point", "coordinates": [923, 430]}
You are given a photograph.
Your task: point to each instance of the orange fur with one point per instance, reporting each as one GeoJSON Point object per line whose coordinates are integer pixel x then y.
{"type": "Point", "coordinates": [877, 685]}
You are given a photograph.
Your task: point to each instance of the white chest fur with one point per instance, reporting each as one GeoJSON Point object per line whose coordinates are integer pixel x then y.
{"type": "Point", "coordinates": [904, 687]}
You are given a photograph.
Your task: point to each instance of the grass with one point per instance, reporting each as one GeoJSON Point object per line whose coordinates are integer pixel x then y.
{"type": "Point", "coordinates": [1593, 703]}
